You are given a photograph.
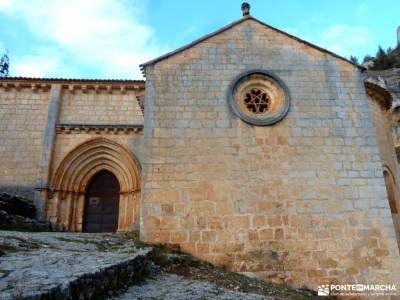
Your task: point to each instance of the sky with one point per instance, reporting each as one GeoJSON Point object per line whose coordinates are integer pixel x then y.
{"type": "Point", "coordinates": [108, 39]}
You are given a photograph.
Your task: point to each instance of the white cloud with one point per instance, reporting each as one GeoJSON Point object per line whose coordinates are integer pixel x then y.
{"type": "Point", "coordinates": [346, 40]}
{"type": "Point", "coordinates": [36, 66]}
{"type": "Point", "coordinates": [44, 62]}
{"type": "Point", "coordinates": [106, 35]}
{"type": "Point", "coordinates": [342, 39]}
{"type": "Point", "coordinates": [6, 5]}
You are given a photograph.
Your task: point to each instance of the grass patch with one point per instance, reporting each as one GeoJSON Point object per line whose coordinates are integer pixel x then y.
{"type": "Point", "coordinates": [4, 273]}
{"type": "Point", "coordinates": [81, 241]}
{"type": "Point", "coordinates": [17, 238]}
{"type": "Point", "coordinates": [9, 248]}
{"type": "Point", "coordinates": [19, 227]}
{"type": "Point", "coordinates": [102, 245]}
{"type": "Point", "coordinates": [7, 288]}
{"type": "Point", "coordinates": [23, 227]}
{"type": "Point", "coordinates": [23, 245]}
{"type": "Point", "coordinates": [70, 240]}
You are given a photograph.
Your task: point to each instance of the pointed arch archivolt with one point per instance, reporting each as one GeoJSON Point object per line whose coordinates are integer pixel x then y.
{"type": "Point", "coordinates": [65, 203]}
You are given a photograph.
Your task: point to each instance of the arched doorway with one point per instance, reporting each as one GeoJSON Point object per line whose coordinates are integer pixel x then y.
{"type": "Point", "coordinates": [102, 203]}
{"type": "Point", "coordinates": [75, 179]}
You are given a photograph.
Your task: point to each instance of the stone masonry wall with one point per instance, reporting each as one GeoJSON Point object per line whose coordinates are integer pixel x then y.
{"type": "Point", "coordinates": [23, 115]}
{"type": "Point", "coordinates": [94, 108]}
{"type": "Point", "coordinates": [30, 155]}
{"type": "Point", "coordinates": [103, 107]}
{"type": "Point", "coordinates": [301, 202]}
{"type": "Point", "coordinates": [85, 116]}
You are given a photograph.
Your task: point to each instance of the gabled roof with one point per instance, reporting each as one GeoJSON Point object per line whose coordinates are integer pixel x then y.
{"type": "Point", "coordinates": [245, 18]}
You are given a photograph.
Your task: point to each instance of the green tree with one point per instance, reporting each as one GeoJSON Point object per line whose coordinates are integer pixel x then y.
{"type": "Point", "coordinates": [353, 59]}
{"type": "Point", "coordinates": [382, 61]}
{"type": "Point", "coordinates": [367, 58]}
{"type": "Point", "coordinates": [4, 65]}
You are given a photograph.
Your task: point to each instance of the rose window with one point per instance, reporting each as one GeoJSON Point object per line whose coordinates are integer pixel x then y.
{"type": "Point", "coordinates": [259, 98]}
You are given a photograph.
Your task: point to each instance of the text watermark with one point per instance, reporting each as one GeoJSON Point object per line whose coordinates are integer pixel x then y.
{"type": "Point", "coordinates": [357, 289]}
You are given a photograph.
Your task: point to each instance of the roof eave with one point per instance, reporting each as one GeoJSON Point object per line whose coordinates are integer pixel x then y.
{"type": "Point", "coordinates": [73, 80]}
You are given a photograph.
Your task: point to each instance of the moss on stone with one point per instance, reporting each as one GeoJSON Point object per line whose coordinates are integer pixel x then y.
{"type": "Point", "coordinates": [4, 273]}
{"type": "Point", "coordinates": [9, 248]}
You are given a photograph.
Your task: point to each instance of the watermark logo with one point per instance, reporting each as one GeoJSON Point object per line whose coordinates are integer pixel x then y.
{"type": "Point", "coordinates": [323, 290]}
{"type": "Point", "coordinates": [357, 290]}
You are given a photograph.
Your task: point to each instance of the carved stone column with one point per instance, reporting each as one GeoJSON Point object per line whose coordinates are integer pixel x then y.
{"type": "Point", "coordinates": [137, 196]}
{"type": "Point", "coordinates": [79, 211]}
{"type": "Point", "coordinates": [122, 212]}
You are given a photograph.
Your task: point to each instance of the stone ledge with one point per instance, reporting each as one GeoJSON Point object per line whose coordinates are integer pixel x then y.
{"type": "Point", "coordinates": [98, 128]}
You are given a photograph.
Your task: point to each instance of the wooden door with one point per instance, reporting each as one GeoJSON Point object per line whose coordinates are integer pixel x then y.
{"type": "Point", "coordinates": [102, 203]}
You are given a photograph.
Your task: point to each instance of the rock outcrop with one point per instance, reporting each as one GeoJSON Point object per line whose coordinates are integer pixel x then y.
{"type": "Point", "coordinates": [390, 79]}
{"type": "Point", "coordinates": [18, 213]}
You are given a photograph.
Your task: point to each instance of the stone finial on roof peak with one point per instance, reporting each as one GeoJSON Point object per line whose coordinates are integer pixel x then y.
{"type": "Point", "coordinates": [245, 9]}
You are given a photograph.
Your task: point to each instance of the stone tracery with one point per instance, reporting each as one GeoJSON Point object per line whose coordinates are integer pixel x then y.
{"type": "Point", "coordinates": [257, 101]}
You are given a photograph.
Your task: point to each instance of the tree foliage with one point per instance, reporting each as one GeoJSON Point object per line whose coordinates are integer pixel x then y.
{"type": "Point", "coordinates": [367, 58]}
{"type": "Point", "coordinates": [384, 59]}
{"type": "Point", "coordinates": [4, 65]}
{"type": "Point", "coordinates": [354, 59]}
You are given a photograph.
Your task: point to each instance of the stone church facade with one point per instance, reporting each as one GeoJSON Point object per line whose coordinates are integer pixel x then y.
{"type": "Point", "coordinates": [250, 148]}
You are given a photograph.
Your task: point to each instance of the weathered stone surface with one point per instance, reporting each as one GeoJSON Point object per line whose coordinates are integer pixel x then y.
{"type": "Point", "coordinates": [172, 287]}
{"type": "Point", "coordinates": [390, 78]}
{"type": "Point", "coordinates": [69, 266]}
{"type": "Point", "coordinates": [277, 202]}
